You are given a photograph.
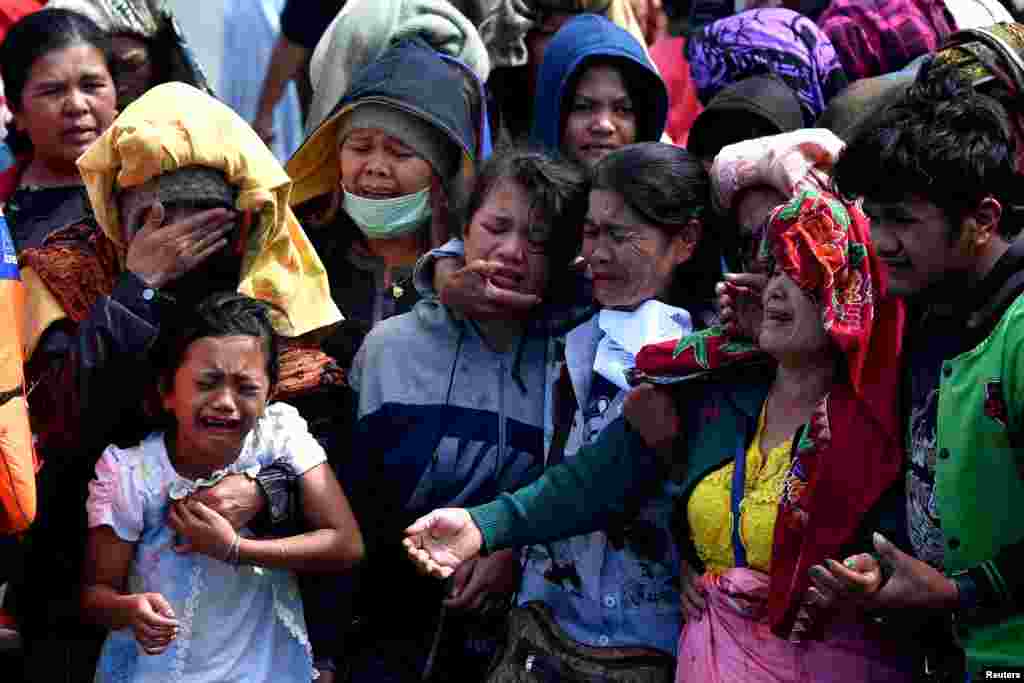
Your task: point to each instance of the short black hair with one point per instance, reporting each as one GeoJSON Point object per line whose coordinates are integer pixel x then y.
{"type": "Point", "coordinates": [558, 192]}
{"type": "Point", "coordinates": [223, 314]}
{"type": "Point", "coordinates": [35, 36]}
{"type": "Point", "coordinates": [669, 187]}
{"type": "Point", "coordinates": [952, 147]}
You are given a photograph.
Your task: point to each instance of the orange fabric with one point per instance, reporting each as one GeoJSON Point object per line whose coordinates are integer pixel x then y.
{"type": "Point", "coordinates": [18, 463]}
{"type": "Point", "coordinates": [683, 105]}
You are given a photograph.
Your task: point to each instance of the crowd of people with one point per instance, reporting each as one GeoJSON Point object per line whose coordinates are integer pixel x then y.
{"type": "Point", "coordinates": [516, 340]}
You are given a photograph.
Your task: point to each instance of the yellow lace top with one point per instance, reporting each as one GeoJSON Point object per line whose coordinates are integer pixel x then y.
{"type": "Point", "coordinates": [710, 511]}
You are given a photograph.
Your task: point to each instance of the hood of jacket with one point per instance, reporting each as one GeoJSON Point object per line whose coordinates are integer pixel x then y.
{"type": "Point", "coordinates": [364, 29]}
{"type": "Point", "coordinates": [582, 40]}
{"type": "Point", "coordinates": [411, 77]}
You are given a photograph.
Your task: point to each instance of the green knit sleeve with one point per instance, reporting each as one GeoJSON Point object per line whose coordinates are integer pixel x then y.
{"type": "Point", "coordinates": [614, 474]}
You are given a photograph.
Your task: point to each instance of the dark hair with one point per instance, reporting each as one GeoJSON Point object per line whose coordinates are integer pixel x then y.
{"type": "Point", "coordinates": [35, 36]}
{"type": "Point", "coordinates": [669, 187]}
{"type": "Point", "coordinates": [557, 191]}
{"type": "Point", "coordinates": [640, 84]}
{"type": "Point", "coordinates": [729, 127]}
{"type": "Point", "coordinates": [952, 148]}
{"type": "Point", "coordinates": [222, 314]}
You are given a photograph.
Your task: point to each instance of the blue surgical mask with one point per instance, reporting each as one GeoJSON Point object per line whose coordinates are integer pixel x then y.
{"type": "Point", "coordinates": [382, 219]}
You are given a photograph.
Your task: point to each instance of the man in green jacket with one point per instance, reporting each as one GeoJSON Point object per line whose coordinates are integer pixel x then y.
{"type": "Point", "coordinates": [940, 176]}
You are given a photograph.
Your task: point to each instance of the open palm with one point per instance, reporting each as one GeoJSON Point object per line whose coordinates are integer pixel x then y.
{"type": "Point", "coordinates": [441, 541]}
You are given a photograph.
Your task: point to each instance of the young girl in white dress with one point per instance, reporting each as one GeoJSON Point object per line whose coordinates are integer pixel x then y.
{"type": "Point", "coordinates": [189, 598]}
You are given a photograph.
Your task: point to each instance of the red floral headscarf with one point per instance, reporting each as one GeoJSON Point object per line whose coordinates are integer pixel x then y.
{"type": "Point", "coordinates": [850, 452]}
{"type": "Point", "coordinates": [824, 245]}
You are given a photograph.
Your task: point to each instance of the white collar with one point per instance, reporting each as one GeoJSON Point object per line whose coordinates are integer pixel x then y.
{"type": "Point", "coordinates": [626, 332]}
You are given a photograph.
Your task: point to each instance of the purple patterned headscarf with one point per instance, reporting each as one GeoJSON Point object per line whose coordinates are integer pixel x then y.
{"type": "Point", "coordinates": [780, 42]}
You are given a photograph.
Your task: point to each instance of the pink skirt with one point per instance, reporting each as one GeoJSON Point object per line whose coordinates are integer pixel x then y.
{"type": "Point", "coordinates": [733, 642]}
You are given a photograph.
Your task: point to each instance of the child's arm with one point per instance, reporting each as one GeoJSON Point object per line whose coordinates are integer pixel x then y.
{"type": "Point", "coordinates": [335, 543]}
{"type": "Point", "coordinates": [108, 559]}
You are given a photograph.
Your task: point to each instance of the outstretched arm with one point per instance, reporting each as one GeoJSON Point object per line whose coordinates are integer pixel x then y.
{"type": "Point", "coordinates": [579, 496]}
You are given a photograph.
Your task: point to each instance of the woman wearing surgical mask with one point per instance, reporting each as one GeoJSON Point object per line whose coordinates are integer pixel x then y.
{"type": "Point", "coordinates": [372, 182]}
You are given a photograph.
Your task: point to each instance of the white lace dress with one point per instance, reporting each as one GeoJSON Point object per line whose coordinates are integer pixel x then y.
{"type": "Point", "coordinates": [237, 624]}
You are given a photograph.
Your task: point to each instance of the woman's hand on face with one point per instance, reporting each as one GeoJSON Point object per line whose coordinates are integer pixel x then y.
{"type": "Point", "coordinates": [739, 304]}
{"type": "Point", "coordinates": [485, 581]}
{"type": "Point", "coordinates": [202, 530]}
{"type": "Point", "coordinates": [160, 254]}
{"type": "Point", "coordinates": [470, 290]}
{"type": "Point", "coordinates": [153, 622]}
{"type": "Point", "coordinates": [441, 541]}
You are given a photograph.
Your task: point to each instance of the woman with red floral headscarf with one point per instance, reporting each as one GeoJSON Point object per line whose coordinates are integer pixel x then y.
{"type": "Point", "coordinates": [789, 452]}
{"type": "Point", "coordinates": [783, 472]}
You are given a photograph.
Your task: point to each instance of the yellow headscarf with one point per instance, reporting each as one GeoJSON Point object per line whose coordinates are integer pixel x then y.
{"type": "Point", "coordinates": [176, 125]}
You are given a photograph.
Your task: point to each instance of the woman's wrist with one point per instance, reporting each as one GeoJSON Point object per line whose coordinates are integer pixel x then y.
{"type": "Point", "coordinates": [233, 554]}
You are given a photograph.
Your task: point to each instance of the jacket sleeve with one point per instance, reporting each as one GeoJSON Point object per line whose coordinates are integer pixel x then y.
{"type": "Point", "coordinates": [77, 375]}
{"type": "Point", "coordinates": [423, 274]}
{"type": "Point", "coordinates": [615, 474]}
{"type": "Point", "coordinates": [996, 584]}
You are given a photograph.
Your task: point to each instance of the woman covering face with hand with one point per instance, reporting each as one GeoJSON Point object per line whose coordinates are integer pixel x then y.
{"type": "Point", "coordinates": [186, 198]}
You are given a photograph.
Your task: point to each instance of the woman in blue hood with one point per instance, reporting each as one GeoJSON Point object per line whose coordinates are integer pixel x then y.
{"type": "Point", "coordinates": [597, 91]}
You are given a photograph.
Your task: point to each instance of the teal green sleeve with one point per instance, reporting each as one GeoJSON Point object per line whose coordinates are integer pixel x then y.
{"type": "Point", "coordinates": [615, 474]}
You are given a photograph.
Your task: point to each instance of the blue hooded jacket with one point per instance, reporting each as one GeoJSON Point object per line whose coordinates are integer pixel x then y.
{"type": "Point", "coordinates": [584, 39]}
